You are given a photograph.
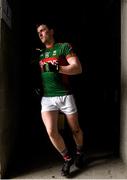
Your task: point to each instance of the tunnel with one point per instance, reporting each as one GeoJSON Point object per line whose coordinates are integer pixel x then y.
{"type": "Point", "coordinates": [92, 27]}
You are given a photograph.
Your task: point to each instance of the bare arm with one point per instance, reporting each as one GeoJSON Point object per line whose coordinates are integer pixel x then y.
{"type": "Point", "coordinates": [73, 68]}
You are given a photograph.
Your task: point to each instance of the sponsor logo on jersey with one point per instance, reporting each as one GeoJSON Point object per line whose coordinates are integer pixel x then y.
{"type": "Point", "coordinates": [52, 60]}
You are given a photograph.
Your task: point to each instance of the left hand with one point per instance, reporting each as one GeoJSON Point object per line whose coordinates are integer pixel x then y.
{"type": "Point", "coordinates": [49, 67]}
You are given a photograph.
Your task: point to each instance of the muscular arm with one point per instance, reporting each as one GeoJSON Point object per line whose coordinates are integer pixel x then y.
{"type": "Point", "coordinates": [73, 68]}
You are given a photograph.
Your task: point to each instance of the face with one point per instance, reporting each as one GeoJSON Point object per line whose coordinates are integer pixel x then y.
{"type": "Point", "coordinates": [45, 34]}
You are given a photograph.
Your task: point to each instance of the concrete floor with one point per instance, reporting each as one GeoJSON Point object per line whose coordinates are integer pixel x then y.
{"type": "Point", "coordinates": [100, 166]}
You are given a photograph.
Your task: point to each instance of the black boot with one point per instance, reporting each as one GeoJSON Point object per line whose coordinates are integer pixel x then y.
{"type": "Point", "coordinates": [66, 167]}
{"type": "Point", "coordinates": [80, 160]}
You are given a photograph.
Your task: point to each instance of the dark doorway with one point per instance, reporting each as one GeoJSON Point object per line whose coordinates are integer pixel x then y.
{"type": "Point", "coordinates": [93, 29]}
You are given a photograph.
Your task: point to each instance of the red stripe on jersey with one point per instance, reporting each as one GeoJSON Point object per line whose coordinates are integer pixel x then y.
{"type": "Point", "coordinates": [49, 59]}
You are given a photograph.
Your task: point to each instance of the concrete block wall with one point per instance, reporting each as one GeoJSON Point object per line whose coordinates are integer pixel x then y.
{"type": "Point", "coordinates": [7, 96]}
{"type": "Point", "coordinates": [123, 138]}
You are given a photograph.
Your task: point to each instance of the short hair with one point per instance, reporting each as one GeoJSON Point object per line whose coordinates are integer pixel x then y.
{"type": "Point", "coordinates": [48, 23]}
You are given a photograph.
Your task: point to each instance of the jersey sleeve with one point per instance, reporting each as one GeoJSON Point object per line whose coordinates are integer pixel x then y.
{"type": "Point", "coordinates": [68, 50]}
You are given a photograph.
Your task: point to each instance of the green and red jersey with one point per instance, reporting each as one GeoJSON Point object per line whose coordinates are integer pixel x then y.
{"type": "Point", "coordinates": [54, 83]}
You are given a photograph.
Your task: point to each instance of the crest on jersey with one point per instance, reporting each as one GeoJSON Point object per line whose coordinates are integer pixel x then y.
{"type": "Point", "coordinates": [54, 53]}
{"type": "Point", "coordinates": [46, 54]}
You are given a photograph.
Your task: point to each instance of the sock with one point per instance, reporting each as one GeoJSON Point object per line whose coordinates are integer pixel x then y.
{"type": "Point", "coordinates": [66, 155]}
{"type": "Point", "coordinates": [79, 149]}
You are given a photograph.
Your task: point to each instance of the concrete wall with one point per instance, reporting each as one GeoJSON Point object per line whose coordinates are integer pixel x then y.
{"type": "Point", "coordinates": [8, 107]}
{"type": "Point", "coordinates": [5, 111]}
{"type": "Point", "coordinates": [123, 145]}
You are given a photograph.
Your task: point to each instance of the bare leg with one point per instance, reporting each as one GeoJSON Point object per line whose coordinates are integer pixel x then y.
{"type": "Point", "coordinates": [76, 130]}
{"type": "Point", "coordinates": [50, 119]}
{"type": "Point", "coordinates": [78, 137]}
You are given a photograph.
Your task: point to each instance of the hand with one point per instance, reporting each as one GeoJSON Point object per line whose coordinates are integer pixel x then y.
{"type": "Point", "coordinates": [37, 92]}
{"type": "Point", "coordinates": [49, 67]}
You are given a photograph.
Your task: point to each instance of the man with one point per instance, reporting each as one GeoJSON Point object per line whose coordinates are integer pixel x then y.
{"type": "Point", "coordinates": [57, 61]}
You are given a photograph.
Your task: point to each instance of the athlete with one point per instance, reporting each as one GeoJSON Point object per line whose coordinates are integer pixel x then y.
{"type": "Point", "coordinates": [57, 62]}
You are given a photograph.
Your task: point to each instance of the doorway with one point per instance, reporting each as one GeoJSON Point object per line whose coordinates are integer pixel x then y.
{"type": "Point", "coordinates": [93, 29]}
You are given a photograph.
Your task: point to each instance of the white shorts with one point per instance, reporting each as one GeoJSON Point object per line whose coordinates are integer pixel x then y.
{"type": "Point", "coordinates": [65, 104]}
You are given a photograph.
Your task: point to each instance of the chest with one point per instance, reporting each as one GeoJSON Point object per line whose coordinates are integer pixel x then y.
{"type": "Point", "coordinates": [53, 56]}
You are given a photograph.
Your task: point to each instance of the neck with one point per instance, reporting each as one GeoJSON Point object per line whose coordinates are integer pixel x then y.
{"type": "Point", "coordinates": [50, 44]}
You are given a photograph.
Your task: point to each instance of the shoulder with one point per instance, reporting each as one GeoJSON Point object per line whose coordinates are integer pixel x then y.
{"type": "Point", "coordinates": [64, 45]}
{"type": "Point", "coordinates": [42, 52]}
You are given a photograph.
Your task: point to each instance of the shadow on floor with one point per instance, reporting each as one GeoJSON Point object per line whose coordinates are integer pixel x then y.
{"type": "Point", "coordinates": [92, 161]}
{"type": "Point", "coordinates": [48, 162]}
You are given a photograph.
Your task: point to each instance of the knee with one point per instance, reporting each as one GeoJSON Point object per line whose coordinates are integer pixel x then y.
{"type": "Point", "coordinates": [51, 133]}
{"type": "Point", "coordinates": [76, 131]}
